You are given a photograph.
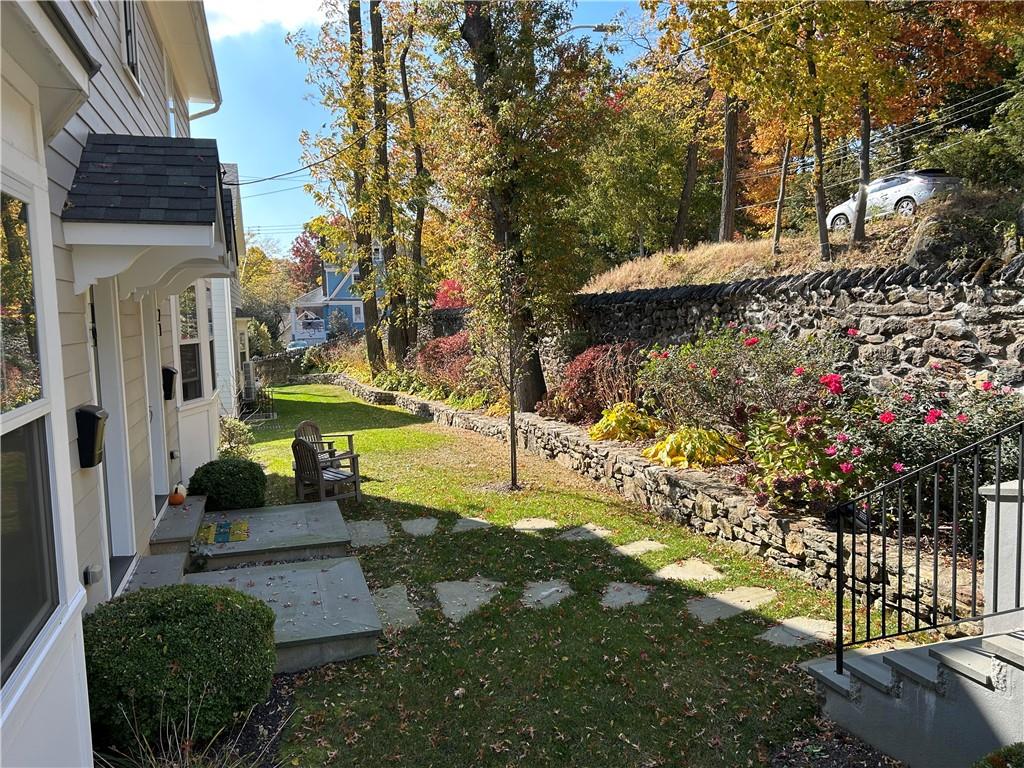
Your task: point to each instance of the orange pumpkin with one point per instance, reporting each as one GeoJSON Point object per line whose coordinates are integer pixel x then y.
{"type": "Point", "coordinates": [177, 497]}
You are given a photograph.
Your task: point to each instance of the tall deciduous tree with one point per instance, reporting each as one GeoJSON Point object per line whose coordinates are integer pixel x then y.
{"type": "Point", "coordinates": [306, 262]}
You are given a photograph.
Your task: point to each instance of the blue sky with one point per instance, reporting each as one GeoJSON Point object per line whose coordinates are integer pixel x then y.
{"type": "Point", "coordinates": [267, 102]}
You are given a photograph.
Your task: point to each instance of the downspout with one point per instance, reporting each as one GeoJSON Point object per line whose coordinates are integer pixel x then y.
{"type": "Point", "coordinates": [205, 112]}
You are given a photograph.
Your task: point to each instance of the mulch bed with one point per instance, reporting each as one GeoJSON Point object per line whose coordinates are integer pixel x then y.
{"type": "Point", "coordinates": [262, 731]}
{"type": "Point", "coordinates": [831, 747]}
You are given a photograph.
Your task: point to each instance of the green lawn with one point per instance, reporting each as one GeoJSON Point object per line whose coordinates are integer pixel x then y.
{"type": "Point", "coordinates": [571, 685]}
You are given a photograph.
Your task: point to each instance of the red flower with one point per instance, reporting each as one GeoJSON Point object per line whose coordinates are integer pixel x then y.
{"type": "Point", "coordinates": [856, 450]}
{"type": "Point", "coordinates": [799, 371]}
{"type": "Point", "coordinates": [898, 466]}
{"type": "Point", "coordinates": [887, 417]}
{"type": "Point", "coordinates": [713, 372]}
{"type": "Point", "coordinates": [962, 418]}
{"type": "Point", "coordinates": [831, 450]}
{"type": "Point", "coordinates": [833, 383]}
{"type": "Point", "coordinates": [842, 437]}
{"type": "Point", "coordinates": [907, 397]}
{"type": "Point", "coordinates": [933, 416]}
{"type": "Point", "coordinates": [846, 467]}
{"type": "Point", "coordinates": [852, 332]}
{"type": "Point", "coordinates": [986, 386]}
{"type": "Point", "coordinates": [750, 341]}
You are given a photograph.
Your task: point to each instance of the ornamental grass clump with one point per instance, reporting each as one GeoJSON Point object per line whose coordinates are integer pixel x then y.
{"type": "Point", "coordinates": [185, 654]}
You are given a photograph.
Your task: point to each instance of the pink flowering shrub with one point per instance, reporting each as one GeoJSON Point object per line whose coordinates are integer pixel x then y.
{"type": "Point", "coordinates": [725, 378]}
{"type": "Point", "coordinates": [596, 379]}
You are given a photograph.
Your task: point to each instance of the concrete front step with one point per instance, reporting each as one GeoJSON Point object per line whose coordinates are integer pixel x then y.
{"type": "Point", "coordinates": [324, 609]}
{"type": "Point", "coordinates": [177, 527]}
{"type": "Point", "coordinates": [966, 658]}
{"type": "Point", "coordinates": [917, 665]}
{"type": "Point", "coordinates": [1008, 648]}
{"type": "Point", "coordinates": [870, 669]}
{"type": "Point", "coordinates": [158, 571]}
{"type": "Point", "coordinates": [277, 535]}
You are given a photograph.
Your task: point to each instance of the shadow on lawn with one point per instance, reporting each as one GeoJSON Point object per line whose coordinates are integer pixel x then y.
{"type": "Point", "coordinates": [332, 416]}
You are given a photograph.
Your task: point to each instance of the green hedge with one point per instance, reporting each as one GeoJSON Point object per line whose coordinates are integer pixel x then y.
{"type": "Point", "coordinates": [230, 483]}
{"type": "Point", "coordinates": [1011, 756]}
{"type": "Point", "coordinates": [180, 654]}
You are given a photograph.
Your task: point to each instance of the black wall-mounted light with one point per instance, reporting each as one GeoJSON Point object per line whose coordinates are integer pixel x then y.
{"type": "Point", "coordinates": [168, 380]}
{"type": "Point", "coordinates": [91, 421]}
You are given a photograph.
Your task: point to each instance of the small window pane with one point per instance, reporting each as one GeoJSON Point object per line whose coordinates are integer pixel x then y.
{"type": "Point", "coordinates": [191, 373]}
{"type": "Point", "coordinates": [20, 381]}
{"type": "Point", "coordinates": [27, 561]}
{"type": "Point", "coordinates": [189, 320]}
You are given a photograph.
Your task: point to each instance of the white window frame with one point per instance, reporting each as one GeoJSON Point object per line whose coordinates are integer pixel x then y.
{"type": "Point", "coordinates": [357, 313]}
{"type": "Point", "coordinates": [135, 79]}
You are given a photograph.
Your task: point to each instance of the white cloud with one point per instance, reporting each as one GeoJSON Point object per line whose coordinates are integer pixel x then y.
{"type": "Point", "coordinates": [228, 18]}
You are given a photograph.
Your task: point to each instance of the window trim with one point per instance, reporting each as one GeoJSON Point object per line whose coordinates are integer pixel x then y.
{"type": "Point", "coordinates": [70, 594]}
{"type": "Point", "coordinates": [135, 77]}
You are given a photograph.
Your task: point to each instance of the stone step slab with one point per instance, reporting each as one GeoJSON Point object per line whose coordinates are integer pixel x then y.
{"type": "Point", "coordinates": [636, 548]}
{"type": "Point", "coordinates": [620, 594]}
{"type": "Point", "coordinates": [798, 632]}
{"type": "Point", "coordinates": [728, 603]}
{"type": "Point", "coordinates": [459, 599]}
{"type": "Point", "coordinates": [544, 594]}
{"type": "Point", "coordinates": [369, 533]}
{"type": "Point", "coordinates": [464, 524]}
{"type": "Point", "coordinates": [693, 569]}
{"type": "Point", "coordinates": [394, 607]}
{"type": "Point", "coordinates": [534, 524]}
{"type": "Point", "coordinates": [587, 532]}
{"type": "Point", "coordinates": [420, 527]}
{"type": "Point", "coordinates": [178, 526]}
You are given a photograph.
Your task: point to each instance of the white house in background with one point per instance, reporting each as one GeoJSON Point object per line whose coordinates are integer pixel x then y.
{"type": "Point", "coordinates": [119, 245]}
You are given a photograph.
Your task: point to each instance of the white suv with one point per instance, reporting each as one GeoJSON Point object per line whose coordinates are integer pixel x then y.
{"type": "Point", "coordinates": [900, 193]}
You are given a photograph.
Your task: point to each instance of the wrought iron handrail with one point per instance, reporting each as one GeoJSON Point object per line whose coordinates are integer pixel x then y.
{"type": "Point", "coordinates": [939, 504]}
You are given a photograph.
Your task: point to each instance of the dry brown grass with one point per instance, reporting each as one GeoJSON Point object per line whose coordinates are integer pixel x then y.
{"type": "Point", "coordinates": [741, 260]}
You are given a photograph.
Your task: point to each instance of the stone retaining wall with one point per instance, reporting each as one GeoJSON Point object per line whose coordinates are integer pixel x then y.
{"type": "Point", "coordinates": [800, 545]}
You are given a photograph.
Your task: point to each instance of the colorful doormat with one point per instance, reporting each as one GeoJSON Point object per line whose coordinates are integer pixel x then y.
{"type": "Point", "coordinates": [223, 532]}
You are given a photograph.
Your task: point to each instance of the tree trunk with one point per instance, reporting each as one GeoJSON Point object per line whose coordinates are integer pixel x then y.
{"type": "Point", "coordinates": [727, 222]}
{"type": "Point", "coordinates": [777, 230]}
{"type": "Point", "coordinates": [419, 189]}
{"type": "Point", "coordinates": [819, 172]}
{"type": "Point", "coordinates": [398, 320]}
{"type": "Point", "coordinates": [686, 196]}
{"type": "Point", "coordinates": [363, 238]}
{"type": "Point", "coordinates": [859, 235]}
{"type": "Point", "coordinates": [478, 33]}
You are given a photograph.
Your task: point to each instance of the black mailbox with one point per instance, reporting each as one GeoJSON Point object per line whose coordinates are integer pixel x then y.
{"type": "Point", "coordinates": [91, 421]}
{"type": "Point", "coordinates": [169, 373]}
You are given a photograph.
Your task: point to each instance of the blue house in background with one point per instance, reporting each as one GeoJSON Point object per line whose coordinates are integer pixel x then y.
{"type": "Point", "coordinates": [310, 317]}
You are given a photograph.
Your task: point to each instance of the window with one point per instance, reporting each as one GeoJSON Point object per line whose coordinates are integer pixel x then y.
{"type": "Point", "coordinates": [28, 566]}
{"type": "Point", "coordinates": [357, 314]}
{"type": "Point", "coordinates": [131, 38]}
{"type": "Point", "coordinates": [188, 323]}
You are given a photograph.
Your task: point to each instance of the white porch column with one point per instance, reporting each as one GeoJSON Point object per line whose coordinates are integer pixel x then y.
{"type": "Point", "coordinates": [116, 461]}
{"type": "Point", "coordinates": [155, 395]}
{"type": "Point", "coordinates": [1004, 543]}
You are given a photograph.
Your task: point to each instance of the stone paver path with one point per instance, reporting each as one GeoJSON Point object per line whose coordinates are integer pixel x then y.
{"type": "Point", "coordinates": [544, 594]}
{"type": "Point", "coordinates": [396, 612]}
{"type": "Point", "coordinates": [534, 524]}
{"type": "Point", "coordinates": [722, 605]}
{"type": "Point", "coordinates": [693, 569]}
{"type": "Point", "coordinates": [639, 547]}
{"type": "Point", "coordinates": [619, 594]}
{"type": "Point", "coordinates": [800, 631]}
{"type": "Point", "coordinates": [368, 533]}
{"type": "Point", "coordinates": [458, 599]}
{"type": "Point", "coordinates": [588, 532]}
{"type": "Point", "coordinates": [464, 524]}
{"type": "Point", "coordinates": [420, 526]}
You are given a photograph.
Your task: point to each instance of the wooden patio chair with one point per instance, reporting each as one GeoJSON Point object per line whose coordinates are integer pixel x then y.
{"type": "Point", "coordinates": [310, 432]}
{"type": "Point", "coordinates": [339, 480]}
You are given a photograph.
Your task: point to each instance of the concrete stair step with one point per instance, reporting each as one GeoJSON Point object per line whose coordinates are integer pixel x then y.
{"type": "Point", "coordinates": [158, 571]}
{"type": "Point", "coordinates": [824, 671]}
{"type": "Point", "coordinates": [324, 609]}
{"type": "Point", "coordinates": [178, 526]}
{"type": "Point", "coordinates": [278, 534]}
{"type": "Point", "coordinates": [1008, 647]}
{"type": "Point", "coordinates": [966, 658]}
{"type": "Point", "coordinates": [915, 664]}
{"type": "Point", "coordinates": [869, 668]}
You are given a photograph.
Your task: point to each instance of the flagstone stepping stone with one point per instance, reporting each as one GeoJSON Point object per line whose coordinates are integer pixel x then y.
{"type": "Point", "coordinates": [588, 532]}
{"type": "Point", "coordinates": [722, 605]}
{"type": "Point", "coordinates": [420, 526]}
{"type": "Point", "coordinates": [534, 524]}
{"type": "Point", "coordinates": [464, 524]}
{"type": "Point", "coordinates": [396, 612]}
{"type": "Point", "coordinates": [619, 594]}
{"type": "Point", "coordinates": [793, 633]}
{"type": "Point", "coordinates": [639, 547]}
{"type": "Point", "coordinates": [368, 533]}
{"type": "Point", "coordinates": [544, 594]}
{"type": "Point", "coordinates": [693, 569]}
{"type": "Point", "coordinates": [458, 599]}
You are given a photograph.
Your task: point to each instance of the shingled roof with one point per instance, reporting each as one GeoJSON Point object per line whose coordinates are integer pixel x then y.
{"type": "Point", "coordinates": [145, 180]}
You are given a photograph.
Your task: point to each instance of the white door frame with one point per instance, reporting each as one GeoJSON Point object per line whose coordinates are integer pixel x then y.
{"type": "Point", "coordinates": [155, 396]}
{"type": "Point", "coordinates": [115, 444]}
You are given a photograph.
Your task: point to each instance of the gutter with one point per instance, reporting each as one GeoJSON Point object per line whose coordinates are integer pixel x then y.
{"type": "Point", "coordinates": [199, 14]}
{"type": "Point", "coordinates": [56, 16]}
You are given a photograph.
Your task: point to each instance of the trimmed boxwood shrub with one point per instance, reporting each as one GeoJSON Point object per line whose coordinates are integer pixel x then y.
{"type": "Point", "coordinates": [176, 655]}
{"type": "Point", "coordinates": [1011, 756]}
{"type": "Point", "coordinates": [230, 483]}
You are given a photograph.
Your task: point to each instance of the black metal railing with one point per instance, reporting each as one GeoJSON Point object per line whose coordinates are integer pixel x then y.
{"type": "Point", "coordinates": [911, 554]}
